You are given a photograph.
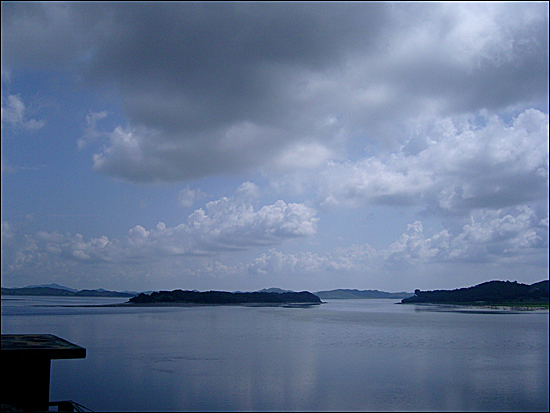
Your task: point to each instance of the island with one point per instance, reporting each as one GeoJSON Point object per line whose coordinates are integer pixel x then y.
{"type": "Point", "coordinates": [226, 298]}
{"type": "Point", "coordinates": [492, 293]}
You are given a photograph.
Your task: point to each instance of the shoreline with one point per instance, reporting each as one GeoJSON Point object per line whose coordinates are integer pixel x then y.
{"type": "Point", "coordinates": [478, 307]}
{"type": "Point", "coordinates": [186, 304]}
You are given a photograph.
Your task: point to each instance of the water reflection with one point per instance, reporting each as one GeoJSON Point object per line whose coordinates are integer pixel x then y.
{"type": "Point", "coordinates": [474, 309]}
{"type": "Point", "coordinates": [343, 355]}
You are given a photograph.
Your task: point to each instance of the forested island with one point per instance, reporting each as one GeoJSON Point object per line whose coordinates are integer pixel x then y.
{"type": "Point", "coordinates": [224, 297]}
{"type": "Point", "coordinates": [494, 293]}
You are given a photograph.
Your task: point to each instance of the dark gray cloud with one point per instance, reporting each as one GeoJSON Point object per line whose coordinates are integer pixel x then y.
{"type": "Point", "coordinates": [197, 66]}
{"type": "Point", "coordinates": [47, 35]}
{"type": "Point", "coordinates": [214, 88]}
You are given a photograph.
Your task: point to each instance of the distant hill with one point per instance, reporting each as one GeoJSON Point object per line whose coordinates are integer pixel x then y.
{"type": "Point", "coordinates": [274, 290]}
{"type": "Point", "coordinates": [488, 293]}
{"type": "Point", "coordinates": [53, 285]}
{"type": "Point", "coordinates": [64, 292]}
{"type": "Point", "coordinates": [343, 294]}
{"type": "Point", "coordinates": [223, 297]}
{"type": "Point", "coordinates": [57, 292]}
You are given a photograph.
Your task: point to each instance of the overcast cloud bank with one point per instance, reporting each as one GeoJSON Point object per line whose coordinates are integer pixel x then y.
{"type": "Point", "coordinates": [438, 107]}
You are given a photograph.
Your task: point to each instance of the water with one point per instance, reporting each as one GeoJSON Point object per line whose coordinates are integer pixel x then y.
{"type": "Point", "coordinates": [344, 355]}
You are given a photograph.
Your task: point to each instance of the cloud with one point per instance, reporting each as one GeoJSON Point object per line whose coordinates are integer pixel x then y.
{"type": "Point", "coordinates": [188, 196]}
{"type": "Point", "coordinates": [356, 258]}
{"type": "Point", "coordinates": [13, 112]}
{"type": "Point", "coordinates": [14, 109]}
{"type": "Point", "coordinates": [230, 87]}
{"type": "Point", "coordinates": [53, 36]}
{"type": "Point", "coordinates": [492, 236]}
{"type": "Point", "coordinates": [91, 134]}
{"type": "Point", "coordinates": [228, 224]}
{"type": "Point", "coordinates": [490, 239]}
{"type": "Point", "coordinates": [465, 57]}
{"type": "Point", "coordinates": [442, 107]}
{"type": "Point", "coordinates": [148, 155]}
{"type": "Point", "coordinates": [515, 237]}
{"type": "Point", "coordinates": [452, 166]}
{"type": "Point", "coordinates": [302, 155]}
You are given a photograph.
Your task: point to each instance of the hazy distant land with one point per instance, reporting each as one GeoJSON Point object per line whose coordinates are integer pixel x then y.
{"type": "Point", "coordinates": [343, 294]}
{"type": "Point", "coordinates": [56, 290]}
{"type": "Point", "coordinates": [347, 294]}
{"type": "Point", "coordinates": [60, 290]}
{"type": "Point", "coordinates": [493, 293]}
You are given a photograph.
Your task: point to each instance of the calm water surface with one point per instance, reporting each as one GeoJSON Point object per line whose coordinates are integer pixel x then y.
{"type": "Point", "coordinates": [343, 355]}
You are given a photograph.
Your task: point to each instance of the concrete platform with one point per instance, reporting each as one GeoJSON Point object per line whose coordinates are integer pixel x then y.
{"type": "Point", "coordinates": [26, 360]}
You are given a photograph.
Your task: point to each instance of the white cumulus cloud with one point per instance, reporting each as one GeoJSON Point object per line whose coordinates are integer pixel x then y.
{"type": "Point", "coordinates": [228, 224]}
{"type": "Point", "coordinates": [452, 166]}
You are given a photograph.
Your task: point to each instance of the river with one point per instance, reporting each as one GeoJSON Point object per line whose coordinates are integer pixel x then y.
{"type": "Point", "coordinates": [346, 355]}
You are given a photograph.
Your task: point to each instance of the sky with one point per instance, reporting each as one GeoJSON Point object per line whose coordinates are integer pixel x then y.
{"type": "Point", "coordinates": [305, 146]}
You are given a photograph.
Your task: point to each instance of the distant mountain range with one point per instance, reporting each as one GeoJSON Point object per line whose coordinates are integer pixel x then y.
{"type": "Point", "coordinates": [343, 294]}
{"type": "Point", "coordinates": [57, 290]}
{"type": "Point", "coordinates": [52, 285]}
{"type": "Point", "coordinates": [346, 294]}
{"type": "Point", "coordinates": [274, 290]}
{"type": "Point", "coordinates": [487, 293]}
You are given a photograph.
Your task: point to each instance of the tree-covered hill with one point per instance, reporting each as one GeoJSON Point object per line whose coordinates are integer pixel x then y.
{"type": "Point", "coordinates": [488, 293]}
{"type": "Point", "coordinates": [223, 297]}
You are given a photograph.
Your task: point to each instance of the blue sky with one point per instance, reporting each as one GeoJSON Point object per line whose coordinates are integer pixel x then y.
{"type": "Point", "coordinates": [305, 146]}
